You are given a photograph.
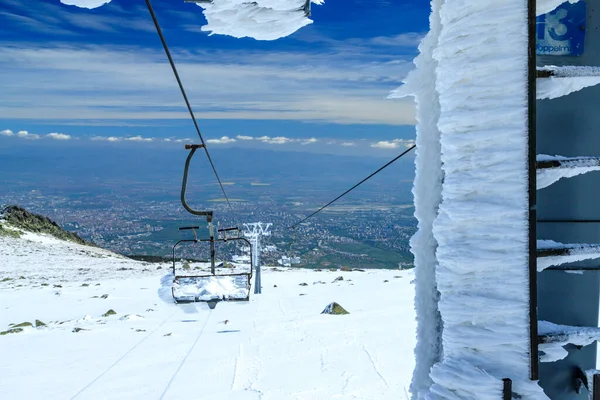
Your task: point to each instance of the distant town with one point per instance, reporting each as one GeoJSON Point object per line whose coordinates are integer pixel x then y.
{"type": "Point", "coordinates": [373, 232]}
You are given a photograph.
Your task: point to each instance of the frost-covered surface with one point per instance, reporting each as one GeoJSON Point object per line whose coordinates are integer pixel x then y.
{"type": "Point", "coordinates": [561, 335]}
{"type": "Point", "coordinates": [569, 167]}
{"type": "Point", "coordinates": [211, 288]}
{"type": "Point", "coordinates": [481, 229]}
{"type": "Point", "coordinates": [572, 253]}
{"type": "Point", "coordinates": [566, 80]}
{"type": "Point", "coordinates": [427, 192]}
{"type": "Point", "coordinates": [86, 3]}
{"type": "Point", "coordinates": [259, 19]}
{"type": "Point", "coordinates": [276, 346]}
{"type": "Point", "coordinates": [545, 6]}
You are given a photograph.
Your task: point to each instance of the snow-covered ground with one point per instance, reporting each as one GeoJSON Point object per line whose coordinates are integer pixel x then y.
{"type": "Point", "coordinates": [276, 346]}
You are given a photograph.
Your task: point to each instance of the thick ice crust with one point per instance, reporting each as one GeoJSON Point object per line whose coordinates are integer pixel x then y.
{"type": "Point", "coordinates": [481, 229]}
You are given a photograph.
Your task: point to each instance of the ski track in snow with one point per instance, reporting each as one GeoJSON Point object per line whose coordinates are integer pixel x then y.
{"type": "Point", "coordinates": [186, 356]}
{"type": "Point", "coordinates": [374, 364]}
{"type": "Point", "coordinates": [113, 365]}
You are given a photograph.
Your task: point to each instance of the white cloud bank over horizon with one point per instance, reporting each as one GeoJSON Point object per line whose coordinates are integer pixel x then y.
{"type": "Point", "coordinates": [224, 140]}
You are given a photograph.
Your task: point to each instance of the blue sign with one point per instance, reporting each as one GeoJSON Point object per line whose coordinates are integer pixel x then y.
{"type": "Point", "coordinates": [562, 32]}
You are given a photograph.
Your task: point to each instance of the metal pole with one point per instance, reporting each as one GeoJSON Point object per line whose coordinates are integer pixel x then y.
{"type": "Point", "coordinates": [531, 150]}
{"type": "Point", "coordinates": [211, 231]}
{"type": "Point", "coordinates": [257, 282]}
{"type": "Point", "coordinates": [596, 387]}
{"type": "Point", "coordinates": [507, 389]}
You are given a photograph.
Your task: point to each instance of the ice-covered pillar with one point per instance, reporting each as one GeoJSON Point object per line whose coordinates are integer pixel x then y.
{"type": "Point", "coordinates": [420, 83]}
{"type": "Point", "coordinates": [478, 64]}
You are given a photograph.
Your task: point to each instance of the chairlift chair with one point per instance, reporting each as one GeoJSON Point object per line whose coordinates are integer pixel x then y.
{"type": "Point", "coordinates": [210, 287]}
{"type": "Point", "coordinates": [213, 287]}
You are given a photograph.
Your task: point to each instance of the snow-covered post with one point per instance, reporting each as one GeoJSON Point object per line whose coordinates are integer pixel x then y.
{"type": "Point", "coordinates": [420, 83]}
{"type": "Point", "coordinates": [473, 239]}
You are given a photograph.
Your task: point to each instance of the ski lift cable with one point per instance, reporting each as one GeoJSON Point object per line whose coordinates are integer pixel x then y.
{"type": "Point", "coordinates": [189, 107]}
{"type": "Point", "coordinates": [353, 187]}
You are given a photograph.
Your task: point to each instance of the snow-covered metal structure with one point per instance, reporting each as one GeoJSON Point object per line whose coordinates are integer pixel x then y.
{"type": "Point", "coordinates": [489, 113]}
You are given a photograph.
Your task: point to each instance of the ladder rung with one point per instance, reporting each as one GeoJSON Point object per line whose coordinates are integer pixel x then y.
{"type": "Point", "coordinates": [568, 250]}
{"type": "Point", "coordinates": [550, 169]}
{"type": "Point", "coordinates": [564, 334]}
{"type": "Point", "coordinates": [550, 253]}
{"type": "Point", "coordinates": [554, 82]}
{"type": "Point", "coordinates": [567, 162]}
{"type": "Point", "coordinates": [575, 269]}
{"type": "Point", "coordinates": [570, 71]}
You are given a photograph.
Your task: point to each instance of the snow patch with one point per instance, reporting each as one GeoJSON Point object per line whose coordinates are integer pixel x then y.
{"type": "Point", "coordinates": [90, 4]}
{"type": "Point", "coordinates": [545, 6]}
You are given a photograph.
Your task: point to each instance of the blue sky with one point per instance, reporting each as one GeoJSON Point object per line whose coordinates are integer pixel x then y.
{"type": "Point", "coordinates": [99, 74]}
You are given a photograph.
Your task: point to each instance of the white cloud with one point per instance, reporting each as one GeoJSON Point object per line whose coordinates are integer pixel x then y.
{"type": "Point", "coordinates": [223, 140]}
{"type": "Point", "coordinates": [108, 139]}
{"type": "Point", "coordinates": [138, 139]}
{"type": "Point", "coordinates": [310, 141]}
{"type": "Point", "coordinates": [279, 140]}
{"type": "Point", "coordinates": [27, 135]}
{"type": "Point", "coordinates": [58, 136]}
{"type": "Point", "coordinates": [242, 137]}
{"type": "Point", "coordinates": [393, 144]}
{"type": "Point", "coordinates": [348, 144]}
{"type": "Point", "coordinates": [6, 132]}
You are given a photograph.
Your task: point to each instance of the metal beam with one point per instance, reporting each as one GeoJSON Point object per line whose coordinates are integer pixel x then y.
{"type": "Point", "coordinates": [532, 187]}
{"type": "Point", "coordinates": [507, 389]}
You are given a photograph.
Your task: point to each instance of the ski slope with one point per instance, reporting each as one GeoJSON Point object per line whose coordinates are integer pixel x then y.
{"type": "Point", "coordinates": [277, 346]}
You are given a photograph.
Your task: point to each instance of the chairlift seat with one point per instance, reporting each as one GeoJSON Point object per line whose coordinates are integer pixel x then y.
{"type": "Point", "coordinates": [205, 288]}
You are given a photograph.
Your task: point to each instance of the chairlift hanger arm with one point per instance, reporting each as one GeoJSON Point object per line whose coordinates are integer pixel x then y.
{"type": "Point", "coordinates": [207, 214]}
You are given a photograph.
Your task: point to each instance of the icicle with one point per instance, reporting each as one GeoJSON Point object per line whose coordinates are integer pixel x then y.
{"type": "Point", "coordinates": [550, 169]}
